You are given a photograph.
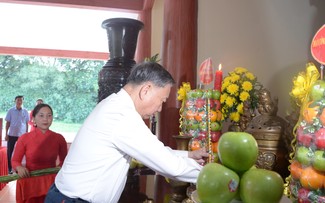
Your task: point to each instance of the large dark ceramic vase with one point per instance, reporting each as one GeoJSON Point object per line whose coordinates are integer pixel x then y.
{"type": "Point", "coordinates": [122, 36]}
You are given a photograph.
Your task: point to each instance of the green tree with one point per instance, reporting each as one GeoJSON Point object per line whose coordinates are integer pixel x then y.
{"type": "Point", "coordinates": [70, 86]}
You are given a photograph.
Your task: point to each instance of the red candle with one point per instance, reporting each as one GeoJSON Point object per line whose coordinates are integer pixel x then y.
{"type": "Point", "coordinates": [218, 79]}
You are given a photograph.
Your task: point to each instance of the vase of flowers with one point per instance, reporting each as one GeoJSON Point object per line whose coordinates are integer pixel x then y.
{"type": "Point", "coordinates": [239, 95]}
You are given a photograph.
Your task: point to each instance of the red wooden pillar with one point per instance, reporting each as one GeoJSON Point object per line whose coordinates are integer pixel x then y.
{"type": "Point", "coordinates": [143, 51]}
{"type": "Point", "coordinates": [179, 57]}
{"type": "Point", "coordinates": [144, 40]}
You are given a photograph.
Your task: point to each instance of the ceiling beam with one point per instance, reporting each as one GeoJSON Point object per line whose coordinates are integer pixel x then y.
{"type": "Point", "coordinates": [53, 53]}
{"type": "Point", "coordinates": [129, 5]}
{"type": "Point", "coordinates": [113, 5]}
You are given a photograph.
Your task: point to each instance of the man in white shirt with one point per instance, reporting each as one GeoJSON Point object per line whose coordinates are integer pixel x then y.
{"type": "Point", "coordinates": [95, 169]}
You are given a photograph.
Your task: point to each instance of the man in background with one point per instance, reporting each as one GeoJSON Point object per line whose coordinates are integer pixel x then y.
{"type": "Point", "coordinates": [16, 124]}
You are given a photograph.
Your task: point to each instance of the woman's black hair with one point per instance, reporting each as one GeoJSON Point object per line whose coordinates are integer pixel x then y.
{"type": "Point", "coordinates": [38, 108]}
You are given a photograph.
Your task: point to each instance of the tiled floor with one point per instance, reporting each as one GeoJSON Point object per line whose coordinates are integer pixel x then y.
{"type": "Point", "coordinates": [8, 193]}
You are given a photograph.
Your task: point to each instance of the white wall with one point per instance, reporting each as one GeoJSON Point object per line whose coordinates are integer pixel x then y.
{"type": "Point", "coordinates": [156, 43]}
{"type": "Point", "coordinates": [271, 38]}
{"type": "Point", "coordinates": [157, 27]}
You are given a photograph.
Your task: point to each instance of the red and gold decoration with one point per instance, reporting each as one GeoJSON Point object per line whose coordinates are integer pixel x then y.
{"type": "Point", "coordinates": [306, 182]}
{"type": "Point", "coordinates": [307, 175]}
{"type": "Point", "coordinates": [206, 75]}
{"type": "Point", "coordinates": [200, 113]}
{"type": "Point", "coordinates": [307, 160]}
{"type": "Point", "coordinates": [318, 46]}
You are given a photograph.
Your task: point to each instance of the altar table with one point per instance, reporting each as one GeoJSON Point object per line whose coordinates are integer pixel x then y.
{"type": "Point", "coordinates": [3, 164]}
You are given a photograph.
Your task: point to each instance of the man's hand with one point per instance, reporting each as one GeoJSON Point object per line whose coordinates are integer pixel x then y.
{"type": "Point", "coordinates": [199, 155]}
{"type": "Point", "coordinates": [7, 138]}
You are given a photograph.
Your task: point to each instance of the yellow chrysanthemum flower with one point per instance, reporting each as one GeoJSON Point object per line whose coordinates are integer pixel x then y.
{"type": "Point", "coordinates": [232, 89]}
{"type": "Point", "coordinates": [244, 96]}
{"type": "Point", "coordinates": [234, 116]}
{"type": "Point", "coordinates": [226, 80]}
{"type": "Point", "coordinates": [247, 86]}
{"type": "Point", "coordinates": [250, 76]}
{"type": "Point", "coordinates": [240, 108]}
{"type": "Point", "coordinates": [223, 98]}
{"type": "Point", "coordinates": [240, 70]}
{"type": "Point", "coordinates": [224, 85]}
{"type": "Point", "coordinates": [234, 78]}
{"type": "Point", "coordinates": [230, 101]}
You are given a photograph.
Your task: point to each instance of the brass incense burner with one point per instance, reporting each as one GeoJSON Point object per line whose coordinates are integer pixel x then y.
{"type": "Point", "coordinates": [179, 188]}
{"type": "Point", "coordinates": [269, 131]}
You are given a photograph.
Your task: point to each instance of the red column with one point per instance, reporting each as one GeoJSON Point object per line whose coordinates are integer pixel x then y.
{"type": "Point", "coordinates": [179, 57]}
{"type": "Point", "coordinates": [144, 40]}
{"type": "Point", "coordinates": [143, 51]}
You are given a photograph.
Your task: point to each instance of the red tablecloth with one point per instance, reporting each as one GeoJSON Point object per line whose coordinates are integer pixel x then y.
{"type": "Point", "coordinates": [3, 164]}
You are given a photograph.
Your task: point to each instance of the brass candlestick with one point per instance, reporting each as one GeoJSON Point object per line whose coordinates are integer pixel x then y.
{"type": "Point", "coordinates": [182, 141]}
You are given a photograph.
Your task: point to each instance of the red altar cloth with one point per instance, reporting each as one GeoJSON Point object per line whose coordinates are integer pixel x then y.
{"type": "Point", "coordinates": [3, 164]}
{"type": "Point", "coordinates": [33, 189]}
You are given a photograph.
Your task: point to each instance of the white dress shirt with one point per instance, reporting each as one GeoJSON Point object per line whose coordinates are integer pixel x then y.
{"type": "Point", "coordinates": [97, 163]}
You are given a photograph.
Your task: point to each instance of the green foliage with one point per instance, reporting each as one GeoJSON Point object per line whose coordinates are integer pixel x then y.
{"type": "Point", "coordinates": [153, 58]}
{"type": "Point", "coordinates": [70, 86]}
{"type": "Point", "coordinates": [63, 127]}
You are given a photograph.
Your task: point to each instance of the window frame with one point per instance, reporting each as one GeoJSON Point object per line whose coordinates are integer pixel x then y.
{"type": "Point", "coordinates": [142, 7]}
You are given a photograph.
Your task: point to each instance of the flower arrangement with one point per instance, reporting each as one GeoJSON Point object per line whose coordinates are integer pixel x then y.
{"type": "Point", "coordinates": [238, 87]}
